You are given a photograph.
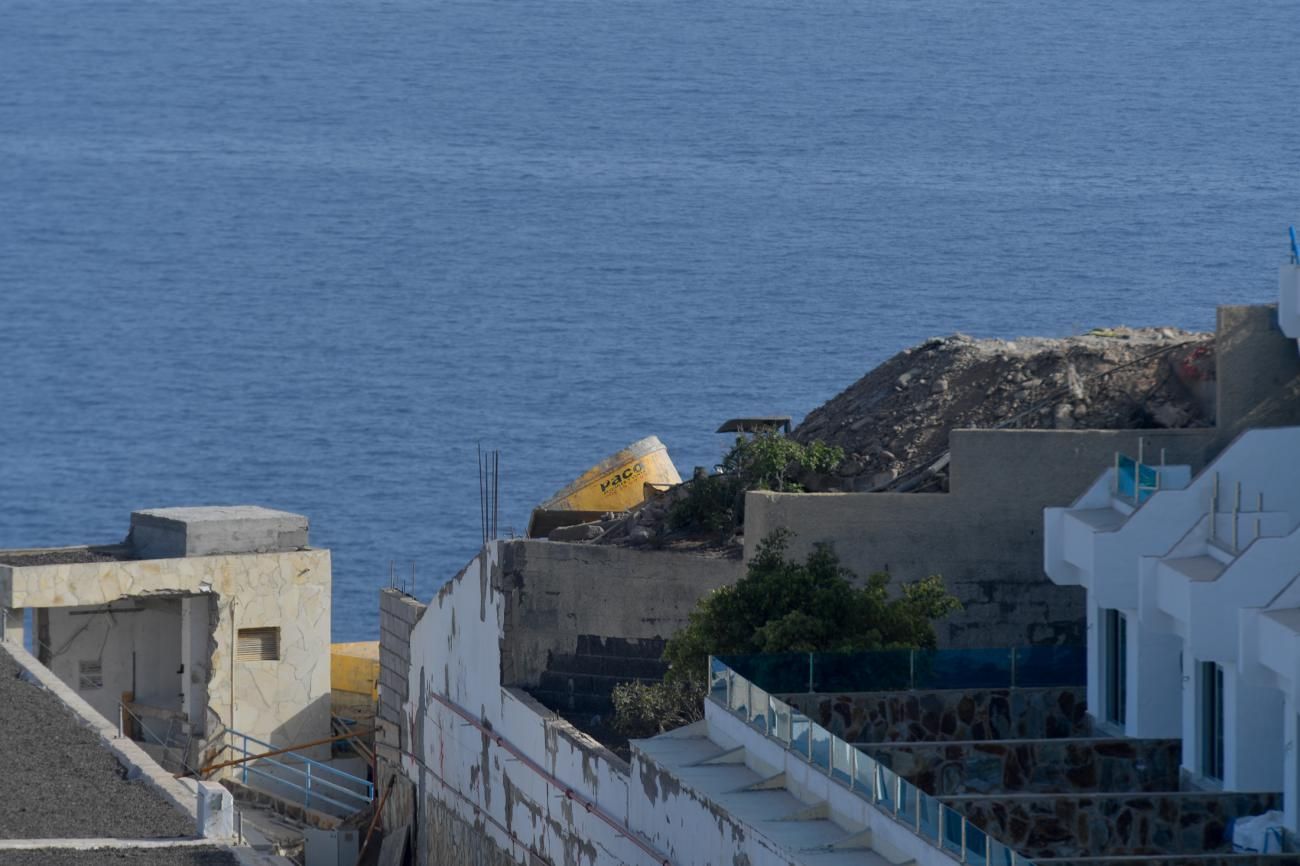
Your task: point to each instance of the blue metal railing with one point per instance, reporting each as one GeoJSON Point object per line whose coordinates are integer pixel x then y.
{"type": "Point", "coordinates": [939, 825]}
{"type": "Point", "coordinates": [314, 775]}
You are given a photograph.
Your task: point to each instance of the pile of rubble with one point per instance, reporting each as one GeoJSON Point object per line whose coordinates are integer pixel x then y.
{"type": "Point", "coordinates": [895, 421]}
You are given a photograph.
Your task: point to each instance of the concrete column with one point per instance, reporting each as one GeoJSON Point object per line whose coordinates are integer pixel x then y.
{"type": "Point", "coordinates": [1191, 725]}
{"type": "Point", "coordinates": [1253, 734]}
{"type": "Point", "coordinates": [216, 811]}
{"type": "Point", "coordinates": [12, 625]}
{"type": "Point", "coordinates": [1096, 663]}
{"type": "Point", "coordinates": [1291, 765]}
{"type": "Point", "coordinates": [1155, 694]}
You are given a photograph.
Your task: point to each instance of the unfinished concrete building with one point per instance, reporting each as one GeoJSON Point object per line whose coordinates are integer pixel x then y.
{"type": "Point", "coordinates": [204, 621]}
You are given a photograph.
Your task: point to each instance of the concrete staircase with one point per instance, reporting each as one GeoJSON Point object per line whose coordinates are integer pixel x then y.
{"type": "Point", "coordinates": [579, 686]}
{"type": "Point", "coordinates": [803, 832]}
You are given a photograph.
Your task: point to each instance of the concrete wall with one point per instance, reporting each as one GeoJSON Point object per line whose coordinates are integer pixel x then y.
{"type": "Point", "coordinates": [468, 733]}
{"type": "Point", "coordinates": [496, 778]}
{"type": "Point", "coordinates": [555, 593]}
{"type": "Point", "coordinates": [138, 648]}
{"type": "Point", "coordinates": [1039, 825]}
{"type": "Point", "coordinates": [283, 702]}
{"type": "Point", "coordinates": [984, 536]}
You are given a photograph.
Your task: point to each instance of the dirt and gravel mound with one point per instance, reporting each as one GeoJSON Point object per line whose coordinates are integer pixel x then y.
{"type": "Point", "coordinates": [895, 421]}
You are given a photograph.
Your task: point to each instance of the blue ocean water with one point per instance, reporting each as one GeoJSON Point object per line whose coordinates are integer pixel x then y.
{"type": "Point", "coordinates": [308, 255]}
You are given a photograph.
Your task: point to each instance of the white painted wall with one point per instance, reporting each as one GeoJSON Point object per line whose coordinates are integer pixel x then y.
{"type": "Point", "coordinates": [513, 780]}
{"type": "Point", "coordinates": [138, 647]}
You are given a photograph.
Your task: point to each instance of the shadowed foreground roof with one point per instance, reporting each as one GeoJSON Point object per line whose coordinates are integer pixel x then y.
{"type": "Point", "coordinates": [58, 782]}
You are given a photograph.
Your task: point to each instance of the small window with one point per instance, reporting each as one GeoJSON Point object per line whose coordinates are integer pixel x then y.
{"type": "Point", "coordinates": [258, 645]}
{"type": "Point", "coordinates": [90, 675]}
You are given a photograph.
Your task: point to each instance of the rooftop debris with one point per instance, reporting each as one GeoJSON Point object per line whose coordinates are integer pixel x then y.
{"type": "Point", "coordinates": [894, 422]}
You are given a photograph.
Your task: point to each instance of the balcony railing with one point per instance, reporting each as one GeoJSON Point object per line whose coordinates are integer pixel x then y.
{"type": "Point", "coordinates": [1135, 481]}
{"type": "Point", "coordinates": [910, 669]}
{"type": "Point", "coordinates": [937, 824]}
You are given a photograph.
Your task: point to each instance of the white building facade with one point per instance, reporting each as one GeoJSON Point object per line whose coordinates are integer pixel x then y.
{"type": "Point", "coordinates": [1193, 607]}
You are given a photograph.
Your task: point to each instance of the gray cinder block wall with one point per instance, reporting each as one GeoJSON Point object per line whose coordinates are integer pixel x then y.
{"type": "Point", "coordinates": [398, 614]}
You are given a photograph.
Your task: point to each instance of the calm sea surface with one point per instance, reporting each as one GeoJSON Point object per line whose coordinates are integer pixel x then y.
{"type": "Point", "coordinates": [309, 254]}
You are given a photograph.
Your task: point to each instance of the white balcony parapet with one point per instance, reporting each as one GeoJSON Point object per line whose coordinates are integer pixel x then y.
{"type": "Point", "coordinates": [1095, 544]}
{"type": "Point", "coordinates": [1288, 293]}
{"type": "Point", "coordinates": [1200, 594]}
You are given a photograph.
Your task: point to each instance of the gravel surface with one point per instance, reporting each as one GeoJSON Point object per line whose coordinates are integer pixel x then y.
{"type": "Point", "coordinates": [138, 857]}
{"type": "Point", "coordinates": [58, 782]}
{"type": "Point", "coordinates": [64, 557]}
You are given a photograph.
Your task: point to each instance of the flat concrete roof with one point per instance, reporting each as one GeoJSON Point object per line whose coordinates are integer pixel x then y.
{"type": "Point", "coordinates": [213, 514]}
{"type": "Point", "coordinates": [57, 781]}
{"type": "Point", "coordinates": [135, 856]}
{"type": "Point", "coordinates": [66, 555]}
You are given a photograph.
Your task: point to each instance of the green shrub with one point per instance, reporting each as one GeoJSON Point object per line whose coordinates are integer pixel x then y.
{"type": "Point", "coordinates": [782, 605]}
{"type": "Point", "coordinates": [767, 461]}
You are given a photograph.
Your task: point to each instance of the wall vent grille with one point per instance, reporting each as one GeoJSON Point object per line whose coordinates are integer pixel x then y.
{"type": "Point", "coordinates": [258, 645]}
{"type": "Point", "coordinates": [90, 675]}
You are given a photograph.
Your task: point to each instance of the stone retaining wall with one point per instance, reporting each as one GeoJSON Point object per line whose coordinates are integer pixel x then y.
{"type": "Point", "coordinates": [949, 714]}
{"type": "Point", "coordinates": [1035, 766]}
{"type": "Point", "coordinates": [1100, 825]}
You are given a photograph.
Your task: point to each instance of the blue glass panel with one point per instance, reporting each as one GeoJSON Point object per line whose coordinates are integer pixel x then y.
{"type": "Point", "coordinates": [1000, 855]}
{"type": "Point", "coordinates": [841, 758]}
{"type": "Point", "coordinates": [864, 776]}
{"type": "Point", "coordinates": [885, 781]}
{"type": "Point", "coordinates": [929, 824]}
{"type": "Point", "coordinates": [1049, 666]}
{"type": "Point", "coordinates": [780, 673]}
{"type": "Point", "coordinates": [800, 729]}
{"type": "Point", "coordinates": [976, 839]}
{"type": "Point", "coordinates": [717, 680]}
{"type": "Point", "coordinates": [1126, 477]}
{"type": "Point", "coordinates": [963, 669]}
{"type": "Point", "coordinates": [906, 808]}
{"type": "Point", "coordinates": [875, 671]}
{"type": "Point", "coordinates": [1148, 482]}
{"type": "Point", "coordinates": [821, 747]}
{"type": "Point", "coordinates": [758, 709]}
{"type": "Point", "coordinates": [951, 822]}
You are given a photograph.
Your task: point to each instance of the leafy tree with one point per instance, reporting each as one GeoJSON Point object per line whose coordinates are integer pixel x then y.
{"type": "Point", "coordinates": [766, 461]}
{"type": "Point", "coordinates": [782, 605]}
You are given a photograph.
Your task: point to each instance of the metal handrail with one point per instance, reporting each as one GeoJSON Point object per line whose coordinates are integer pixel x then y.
{"type": "Point", "coordinates": [939, 825]}
{"type": "Point", "coordinates": [362, 798]}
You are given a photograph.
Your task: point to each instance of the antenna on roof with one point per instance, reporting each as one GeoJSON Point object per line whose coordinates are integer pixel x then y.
{"type": "Point", "coordinates": [1295, 251]}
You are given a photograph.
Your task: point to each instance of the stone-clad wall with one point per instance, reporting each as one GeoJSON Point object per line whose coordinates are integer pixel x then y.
{"type": "Point", "coordinates": [284, 702]}
{"type": "Point", "coordinates": [1037, 826]}
{"type": "Point", "coordinates": [949, 714]}
{"type": "Point", "coordinates": [1039, 766]}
